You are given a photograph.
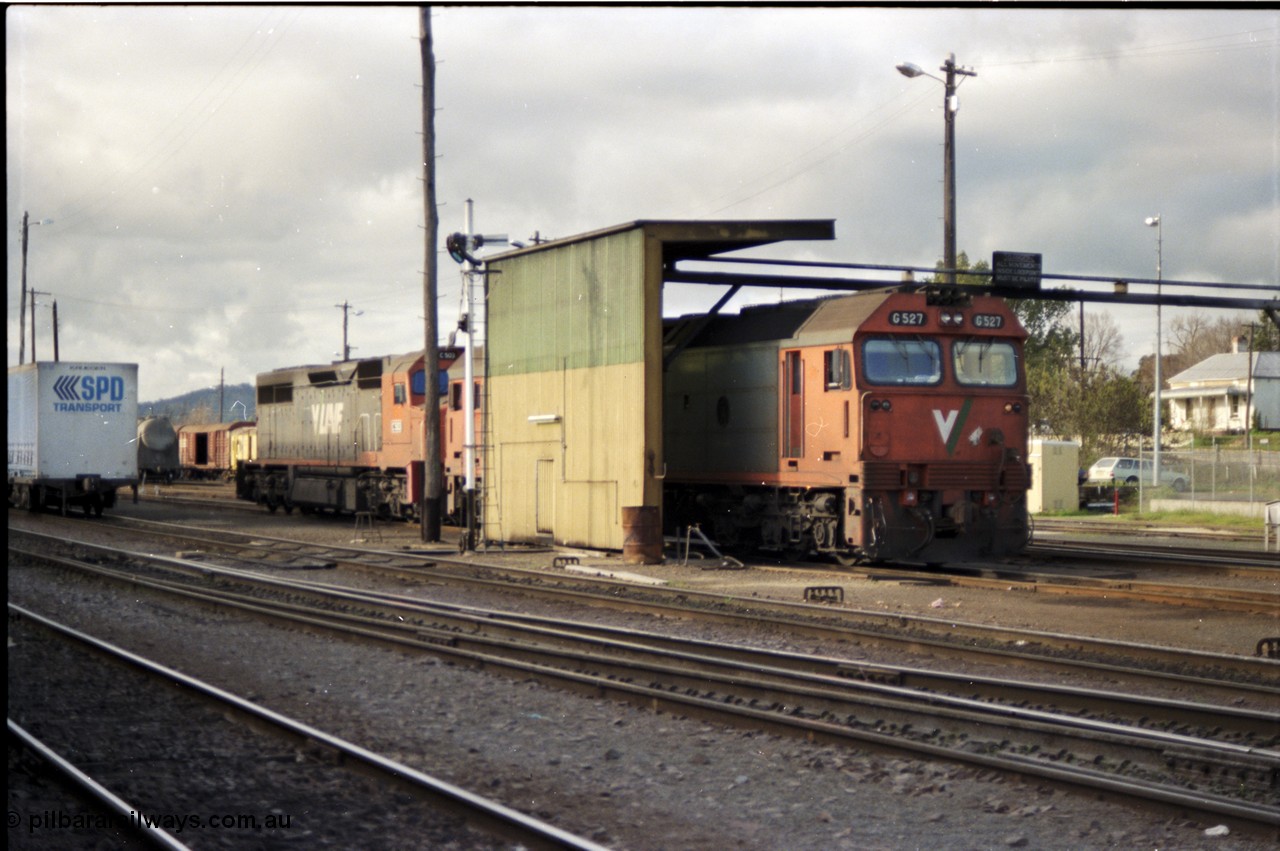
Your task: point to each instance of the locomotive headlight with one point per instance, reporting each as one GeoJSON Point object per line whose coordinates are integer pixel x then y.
{"type": "Point", "coordinates": [1013, 407]}
{"type": "Point", "coordinates": [885, 405]}
{"type": "Point", "coordinates": [875, 404]}
{"type": "Point", "coordinates": [945, 318]}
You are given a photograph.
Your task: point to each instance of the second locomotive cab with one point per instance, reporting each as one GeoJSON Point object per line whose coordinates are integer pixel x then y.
{"type": "Point", "coordinates": [876, 426]}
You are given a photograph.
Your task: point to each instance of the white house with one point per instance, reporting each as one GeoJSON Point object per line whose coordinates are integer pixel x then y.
{"type": "Point", "coordinates": [1218, 395]}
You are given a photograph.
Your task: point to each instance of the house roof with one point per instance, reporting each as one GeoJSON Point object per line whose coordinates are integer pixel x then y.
{"type": "Point", "coordinates": [1229, 366]}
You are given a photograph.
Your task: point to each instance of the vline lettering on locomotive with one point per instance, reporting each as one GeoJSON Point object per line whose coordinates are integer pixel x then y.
{"type": "Point", "coordinates": [327, 418]}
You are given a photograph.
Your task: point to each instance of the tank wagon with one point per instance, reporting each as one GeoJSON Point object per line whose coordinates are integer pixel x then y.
{"type": "Point", "coordinates": [885, 425]}
{"type": "Point", "coordinates": [158, 450]}
{"type": "Point", "coordinates": [207, 450]}
{"type": "Point", "coordinates": [341, 437]}
{"type": "Point", "coordinates": [72, 427]}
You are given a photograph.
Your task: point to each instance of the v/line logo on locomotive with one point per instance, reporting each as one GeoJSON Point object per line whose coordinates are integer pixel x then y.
{"type": "Point", "coordinates": [326, 417]}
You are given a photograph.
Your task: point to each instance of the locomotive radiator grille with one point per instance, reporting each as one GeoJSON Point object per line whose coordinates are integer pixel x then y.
{"type": "Point", "coordinates": [959, 476]}
{"type": "Point", "coordinates": [881, 476]}
{"type": "Point", "coordinates": [948, 476]}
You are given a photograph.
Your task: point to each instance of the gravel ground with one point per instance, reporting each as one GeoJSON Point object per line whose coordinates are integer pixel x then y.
{"type": "Point", "coordinates": [206, 780]}
{"type": "Point", "coordinates": [635, 779]}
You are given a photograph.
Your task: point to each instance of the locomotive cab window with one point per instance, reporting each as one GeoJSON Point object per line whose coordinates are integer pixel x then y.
{"type": "Point", "coordinates": [418, 383]}
{"type": "Point", "coordinates": [398, 391]}
{"type": "Point", "coordinates": [836, 367]}
{"type": "Point", "coordinates": [985, 362]}
{"type": "Point", "coordinates": [901, 360]}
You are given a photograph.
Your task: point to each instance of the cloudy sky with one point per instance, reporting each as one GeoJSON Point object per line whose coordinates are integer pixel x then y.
{"type": "Point", "coordinates": [220, 179]}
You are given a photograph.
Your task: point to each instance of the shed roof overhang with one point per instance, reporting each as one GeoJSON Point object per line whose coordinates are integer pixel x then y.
{"type": "Point", "coordinates": [694, 239]}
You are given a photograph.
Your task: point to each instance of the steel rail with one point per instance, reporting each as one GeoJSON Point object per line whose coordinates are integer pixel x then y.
{"type": "Point", "coordinates": [156, 836]}
{"type": "Point", "coordinates": [1223, 561]}
{"type": "Point", "coordinates": [489, 815]}
{"type": "Point", "coordinates": [765, 686]}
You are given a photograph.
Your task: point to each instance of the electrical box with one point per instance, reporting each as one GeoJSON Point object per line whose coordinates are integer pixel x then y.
{"type": "Point", "coordinates": [1055, 469]}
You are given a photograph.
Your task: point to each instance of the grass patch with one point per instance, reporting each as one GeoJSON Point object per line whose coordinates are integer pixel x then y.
{"type": "Point", "coordinates": [1197, 519]}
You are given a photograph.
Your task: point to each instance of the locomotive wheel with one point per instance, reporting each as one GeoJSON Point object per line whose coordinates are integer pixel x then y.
{"type": "Point", "coordinates": [845, 559]}
{"type": "Point", "coordinates": [272, 504]}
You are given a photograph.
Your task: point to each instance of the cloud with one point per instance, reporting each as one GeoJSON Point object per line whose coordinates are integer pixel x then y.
{"type": "Point", "coordinates": [222, 177]}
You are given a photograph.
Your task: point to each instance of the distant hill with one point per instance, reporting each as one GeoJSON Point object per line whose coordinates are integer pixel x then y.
{"type": "Point", "coordinates": [201, 406]}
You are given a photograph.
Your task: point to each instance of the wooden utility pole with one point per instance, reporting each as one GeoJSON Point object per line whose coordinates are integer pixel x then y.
{"type": "Point", "coordinates": [429, 509]}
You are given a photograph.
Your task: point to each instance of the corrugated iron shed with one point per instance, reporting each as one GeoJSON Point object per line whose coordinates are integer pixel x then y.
{"type": "Point", "coordinates": [574, 425]}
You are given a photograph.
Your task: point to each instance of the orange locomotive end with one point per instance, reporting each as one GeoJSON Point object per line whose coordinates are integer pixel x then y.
{"type": "Point", "coordinates": [874, 426]}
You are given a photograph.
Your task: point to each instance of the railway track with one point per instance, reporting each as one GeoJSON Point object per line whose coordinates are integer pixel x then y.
{"type": "Point", "coordinates": [1211, 674]}
{"type": "Point", "coordinates": [836, 702]}
{"type": "Point", "coordinates": [489, 824]}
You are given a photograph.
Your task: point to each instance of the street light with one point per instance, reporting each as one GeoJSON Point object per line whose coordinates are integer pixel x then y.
{"type": "Point", "coordinates": [22, 309]}
{"type": "Point", "coordinates": [950, 105]}
{"type": "Point", "coordinates": [1154, 222]}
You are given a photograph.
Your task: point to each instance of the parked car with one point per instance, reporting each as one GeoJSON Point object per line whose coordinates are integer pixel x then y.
{"type": "Point", "coordinates": [1128, 470]}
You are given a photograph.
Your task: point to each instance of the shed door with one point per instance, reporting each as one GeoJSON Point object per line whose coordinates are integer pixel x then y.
{"type": "Point", "coordinates": [793, 407]}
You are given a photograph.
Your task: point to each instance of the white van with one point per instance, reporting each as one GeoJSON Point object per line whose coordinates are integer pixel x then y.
{"type": "Point", "coordinates": [1128, 470]}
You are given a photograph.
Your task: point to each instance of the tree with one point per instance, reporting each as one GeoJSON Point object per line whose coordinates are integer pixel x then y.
{"type": "Point", "coordinates": [1100, 345]}
{"type": "Point", "coordinates": [1194, 337]}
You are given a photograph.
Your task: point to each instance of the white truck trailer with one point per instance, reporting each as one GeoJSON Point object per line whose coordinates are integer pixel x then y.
{"type": "Point", "coordinates": [72, 434]}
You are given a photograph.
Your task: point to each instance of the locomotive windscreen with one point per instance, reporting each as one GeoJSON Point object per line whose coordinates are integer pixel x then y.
{"type": "Point", "coordinates": [899, 360]}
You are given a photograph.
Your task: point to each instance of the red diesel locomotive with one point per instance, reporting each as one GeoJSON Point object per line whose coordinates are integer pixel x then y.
{"type": "Point", "coordinates": [885, 425]}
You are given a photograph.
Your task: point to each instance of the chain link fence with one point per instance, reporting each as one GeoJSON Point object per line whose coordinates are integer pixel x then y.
{"type": "Point", "coordinates": [1227, 481]}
